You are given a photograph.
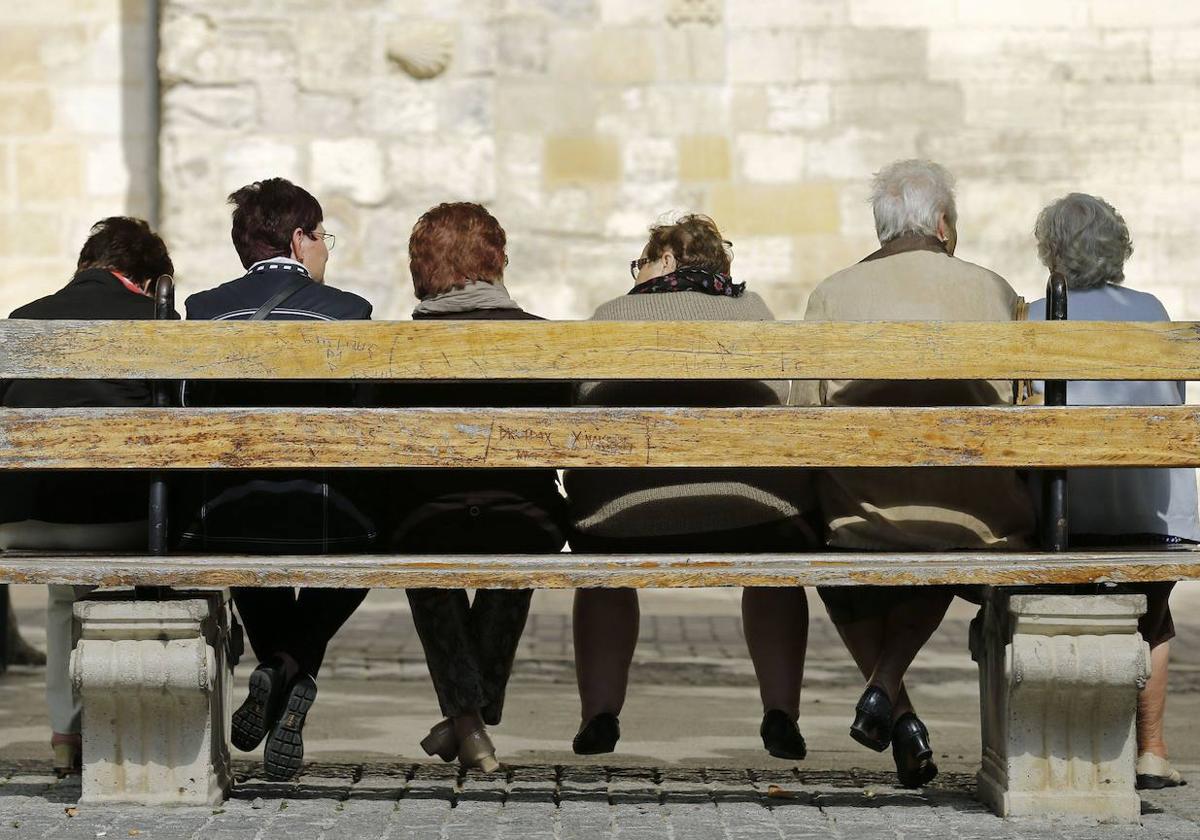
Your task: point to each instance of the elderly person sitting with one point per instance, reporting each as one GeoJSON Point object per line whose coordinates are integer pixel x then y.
{"type": "Point", "coordinates": [1085, 240]}
{"type": "Point", "coordinates": [683, 274]}
{"type": "Point", "coordinates": [913, 276]}
{"type": "Point", "coordinates": [457, 259]}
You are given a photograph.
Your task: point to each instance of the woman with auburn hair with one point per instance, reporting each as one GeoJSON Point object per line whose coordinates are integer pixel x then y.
{"type": "Point", "coordinates": [683, 274]}
{"type": "Point", "coordinates": [457, 259]}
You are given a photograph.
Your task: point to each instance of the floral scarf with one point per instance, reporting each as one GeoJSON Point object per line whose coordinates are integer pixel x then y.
{"type": "Point", "coordinates": [688, 278]}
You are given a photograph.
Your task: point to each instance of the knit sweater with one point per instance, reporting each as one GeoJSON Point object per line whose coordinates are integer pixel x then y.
{"type": "Point", "coordinates": [665, 502]}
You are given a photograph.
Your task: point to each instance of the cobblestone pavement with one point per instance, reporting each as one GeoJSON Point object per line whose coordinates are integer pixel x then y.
{"type": "Point", "coordinates": [688, 765]}
{"type": "Point", "coordinates": [433, 802]}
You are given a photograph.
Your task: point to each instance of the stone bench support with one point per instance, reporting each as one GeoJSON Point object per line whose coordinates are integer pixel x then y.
{"type": "Point", "coordinates": [153, 679]}
{"type": "Point", "coordinates": [1059, 677]}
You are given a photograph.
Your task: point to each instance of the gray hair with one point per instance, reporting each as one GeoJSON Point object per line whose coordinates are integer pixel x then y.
{"type": "Point", "coordinates": [909, 196]}
{"type": "Point", "coordinates": [1084, 239]}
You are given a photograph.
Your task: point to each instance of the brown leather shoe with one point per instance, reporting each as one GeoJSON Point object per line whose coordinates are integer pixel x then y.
{"type": "Point", "coordinates": [477, 750]}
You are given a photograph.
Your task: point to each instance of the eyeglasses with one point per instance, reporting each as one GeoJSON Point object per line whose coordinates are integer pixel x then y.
{"type": "Point", "coordinates": [635, 266]}
{"type": "Point", "coordinates": [330, 239]}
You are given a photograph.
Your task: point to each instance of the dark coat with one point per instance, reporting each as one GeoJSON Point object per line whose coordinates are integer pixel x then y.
{"type": "Point", "coordinates": [79, 497]}
{"type": "Point", "coordinates": [473, 510]}
{"type": "Point", "coordinates": [312, 511]}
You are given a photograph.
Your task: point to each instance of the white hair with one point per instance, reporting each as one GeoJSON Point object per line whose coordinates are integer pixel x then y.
{"type": "Point", "coordinates": [910, 196]}
{"type": "Point", "coordinates": [1084, 239]}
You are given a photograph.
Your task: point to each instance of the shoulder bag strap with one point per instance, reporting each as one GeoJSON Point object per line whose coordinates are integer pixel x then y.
{"type": "Point", "coordinates": [295, 283]}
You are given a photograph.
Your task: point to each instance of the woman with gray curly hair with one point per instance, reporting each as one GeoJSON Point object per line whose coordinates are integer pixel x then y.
{"type": "Point", "coordinates": [1084, 239]}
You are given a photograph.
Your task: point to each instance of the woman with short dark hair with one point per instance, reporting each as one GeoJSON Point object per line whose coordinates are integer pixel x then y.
{"type": "Point", "coordinates": [1084, 239]}
{"type": "Point", "coordinates": [683, 274]}
{"type": "Point", "coordinates": [102, 510]}
{"type": "Point", "coordinates": [457, 259]}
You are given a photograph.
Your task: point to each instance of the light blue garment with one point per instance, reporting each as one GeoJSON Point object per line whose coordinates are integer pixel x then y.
{"type": "Point", "coordinates": [1134, 500]}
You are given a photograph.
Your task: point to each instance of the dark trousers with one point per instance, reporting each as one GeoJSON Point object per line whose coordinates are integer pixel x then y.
{"type": "Point", "coordinates": [298, 623]}
{"type": "Point", "coordinates": [470, 647]}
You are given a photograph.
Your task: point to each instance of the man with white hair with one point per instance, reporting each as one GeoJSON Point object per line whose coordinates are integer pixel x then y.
{"type": "Point", "coordinates": [914, 276]}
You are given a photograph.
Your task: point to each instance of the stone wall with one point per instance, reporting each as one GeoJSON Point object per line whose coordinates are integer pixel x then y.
{"type": "Point", "coordinates": [77, 141]}
{"type": "Point", "coordinates": [580, 122]}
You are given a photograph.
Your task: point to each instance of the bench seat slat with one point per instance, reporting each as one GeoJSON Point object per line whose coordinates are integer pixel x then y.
{"type": "Point", "coordinates": [114, 438]}
{"type": "Point", "coordinates": [599, 350]}
{"type": "Point", "coordinates": [566, 570]}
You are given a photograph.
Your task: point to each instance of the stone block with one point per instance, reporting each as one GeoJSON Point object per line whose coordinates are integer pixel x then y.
{"type": "Point", "coordinates": [545, 107]}
{"type": "Point", "coordinates": [668, 110]}
{"type": "Point", "coordinates": [690, 54]}
{"type": "Point", "coordinates": [774, 210]}
{"type": "Point", "coordinates": [798, 107]}
{"type": "Point", "coordinates": [25, 112]}
{"type": "Point", "coordinates": [854, 153]}
{"type": "Point", "coordinates": [49, 171]}
{"type": "Point", "coordinates": [107, 175]}
{"type": "Point", "coordinates": [1027, 14]}
{"type": "Point", "coordinates": [202, 49]}
{"type": "Point", "coordinates": [1003, 105]}
{"type": "Point", "coordinates": [762, 55]}
{"type": "Point", "coordinates": [466, 167]}
{"type": "Point", "coordinates": [465, 107]}
{"type": "Point", "coordinates": [1175, 55]}
{"type": "Point", "coordinates": [23, 53]}
{"type": "Point", "coordinates": [1191, 156]}
{"type": "Point", "coordinates": [784, 14]}
{"type": "Point", "coordinates": [770, 158]}
{"type": "Point", "coordinates": [257, 158]}
{"type": "Point", "coordinates": [351, 167]}
{"type": "Point", "coordinates": [624, 12]}
{"type": "Point", "coordinates": [399, 107]}
{"type": "Point", "coordinates": [842, 55]}
{"type": "Point", "coordinates": [581, 159]}
{"type": "Point", "coordinates": [1059, 677]}
{"type": "Point", "coordinates": [914, 14]}
{"type": "Point", "coordinates": [41, 235]}
{"type": "Point", "coordinates": [883, 104]}
{"type": "Point", "coordinates": [233, 107]}
{"type": "Point", "coordinates": [333, 58]}
{"type": "Point", "coordinates": [1047, 57]}
{"type": "Point", "coordinates": [624, 56]}
{"type": "Point", "coordinates": [153, 680]}
{"type": "Point", "coordinates": [1164, 14]}
{"type": "Point", "coordinates": [522, 47]}
{"type": "Point", "coordinates": [682, 13]}
{"type": "Point", "coordinates": [650, 160]}
{"type": "Point", "coordinates": [704, 157]}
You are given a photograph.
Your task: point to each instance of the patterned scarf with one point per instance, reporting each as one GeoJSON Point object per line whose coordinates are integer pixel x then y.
{"type": "Point", "coordinates": [689, 278]}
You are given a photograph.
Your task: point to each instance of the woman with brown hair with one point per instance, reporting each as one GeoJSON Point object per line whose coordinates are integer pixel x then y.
{"type": "Point", "coordinates": [683, 274]}
{"type": "Point", "coordinates": [457, 259]}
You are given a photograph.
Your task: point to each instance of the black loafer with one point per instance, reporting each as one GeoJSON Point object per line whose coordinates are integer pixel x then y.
{"type": "Point", "coordinates": [254, 718]}
{"type": "Point", "coordinates": [781, 736]}
{"type": "Point", "coordinates": [872, 725]}
{"type": "Point", "coordinates": [598, 735]}
{"type": "Point", "coordinates": [284, 754]}
{"type": "Point", "coordinates": [912, 753]}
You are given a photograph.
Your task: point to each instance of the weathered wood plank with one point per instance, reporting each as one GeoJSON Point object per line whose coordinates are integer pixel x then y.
{"type": "Point", "coordinates": [114, 438]}
{"type": "Point", "coordinates": [568, 571]}
{"type": "Point", "coordinates": [598, 350]}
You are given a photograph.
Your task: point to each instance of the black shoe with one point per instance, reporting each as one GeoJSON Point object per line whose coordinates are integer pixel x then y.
{"type": "Point", "coordinates": [284, 755]}
{"type": "Point", "coordinates": [253, 719]}
{"type": "Point", "coordinates": [872, 725]}
{"type": "Point", "coordinates": [598, 735]}
{"type": "Point", "coordinates": [912, 753]}
{"type": "Point", "coordinates": [781, 736]}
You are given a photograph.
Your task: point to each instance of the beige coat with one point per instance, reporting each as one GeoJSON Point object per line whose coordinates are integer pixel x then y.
{"type": "Point", "coordinates": [919, 508]}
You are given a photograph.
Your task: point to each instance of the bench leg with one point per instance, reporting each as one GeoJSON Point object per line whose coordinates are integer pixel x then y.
{"type": "Point", "coordinates": [154, 684]}
{"type": "Point", "coordinates": [1059, 677]}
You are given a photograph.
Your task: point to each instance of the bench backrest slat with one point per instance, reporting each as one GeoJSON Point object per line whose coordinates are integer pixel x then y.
{"type": "Point", "coordinates": [96, 438]}
{"type": "Point", "coordinates": [572, 350]}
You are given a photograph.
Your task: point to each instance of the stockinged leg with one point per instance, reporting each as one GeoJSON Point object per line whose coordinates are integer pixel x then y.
{"type": "Point", "coordinates": [154, 682]}
{"type": "Point", "coordinates": [1059, 677]}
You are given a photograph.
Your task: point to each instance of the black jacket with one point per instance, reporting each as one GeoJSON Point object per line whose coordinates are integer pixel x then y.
{"type": "Point", "coordinates": [274, 512]}
{"type": "Point", "coordinates": [79, 497]}
{"type": "Point", "coordinates": [473, 510]}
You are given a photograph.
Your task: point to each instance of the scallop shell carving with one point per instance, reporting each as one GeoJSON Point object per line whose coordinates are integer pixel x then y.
{"type": "Point", "coordinates": [422, 50]}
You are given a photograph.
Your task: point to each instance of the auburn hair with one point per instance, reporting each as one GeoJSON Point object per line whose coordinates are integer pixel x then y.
{"type": "Point", "coordinates": [695, 241]}
{"type": "Point", "coordinates": [453, 244]}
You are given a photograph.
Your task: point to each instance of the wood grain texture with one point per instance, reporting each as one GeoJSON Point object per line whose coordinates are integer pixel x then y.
{"type": "Point", "coordinates": [598, 350]}
{"type": "Point", "coordinates": [96, 438]}
{"type": "Point", "coordinates": [568, 571]}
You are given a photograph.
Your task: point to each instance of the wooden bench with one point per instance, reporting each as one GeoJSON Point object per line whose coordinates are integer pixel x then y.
{"type": "Point", "coordinates": [1032, 647]}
